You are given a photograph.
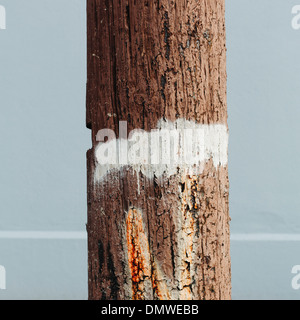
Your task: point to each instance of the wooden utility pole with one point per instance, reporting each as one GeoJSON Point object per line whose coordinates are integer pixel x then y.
{"type": "Point", "coordinates": [157, 232]}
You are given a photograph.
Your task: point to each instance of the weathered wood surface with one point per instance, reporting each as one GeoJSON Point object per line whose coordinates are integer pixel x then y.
{"type": "Point", "coordinates": [160, 236]}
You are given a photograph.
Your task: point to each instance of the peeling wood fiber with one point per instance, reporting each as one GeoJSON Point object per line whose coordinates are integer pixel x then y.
{"type": "Point", "coordinates": [167, 236]}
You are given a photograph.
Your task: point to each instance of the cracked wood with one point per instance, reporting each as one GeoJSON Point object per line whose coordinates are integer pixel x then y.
{"type": "Point", "coordinates": [167, 236]}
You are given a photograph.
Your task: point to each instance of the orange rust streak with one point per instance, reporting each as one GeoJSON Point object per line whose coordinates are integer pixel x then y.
{"type": "Point", "coordinates": [139, 259]}
{"type": "Point", "coordinates": [138, 253]}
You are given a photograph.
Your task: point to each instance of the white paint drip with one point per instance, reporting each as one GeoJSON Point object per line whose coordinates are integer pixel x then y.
{"type": "Point", "coordinates": [174, 147]}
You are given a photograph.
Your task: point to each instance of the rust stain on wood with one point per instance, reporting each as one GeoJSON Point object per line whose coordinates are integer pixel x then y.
{"type": "Point", "coordinates": [138, 253]}
{"type": "Point", "coordinates": [139, 259]}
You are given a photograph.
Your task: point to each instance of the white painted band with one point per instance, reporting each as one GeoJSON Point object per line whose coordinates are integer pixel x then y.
{"type": "Point", "coordinates": [174, 146]}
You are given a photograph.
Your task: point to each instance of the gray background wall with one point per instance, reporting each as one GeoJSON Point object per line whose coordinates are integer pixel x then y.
{"type": "Point", "coordinates": [44, 140]}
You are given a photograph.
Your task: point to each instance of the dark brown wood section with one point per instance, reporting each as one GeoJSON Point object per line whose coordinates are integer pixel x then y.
{"type": "Point", "coordinates": [161, 237]}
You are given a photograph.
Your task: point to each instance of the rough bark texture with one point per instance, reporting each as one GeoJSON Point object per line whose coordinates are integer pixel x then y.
{"type": "Point", "coordinates": [162, 237]}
